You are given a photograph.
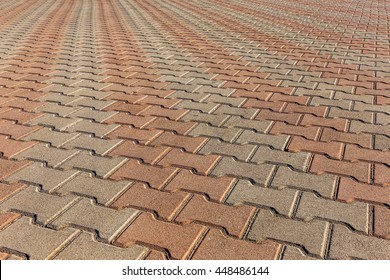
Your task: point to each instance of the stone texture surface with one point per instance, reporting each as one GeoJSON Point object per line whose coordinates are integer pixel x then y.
{"type": "Point", "coordinates": [204, 129]}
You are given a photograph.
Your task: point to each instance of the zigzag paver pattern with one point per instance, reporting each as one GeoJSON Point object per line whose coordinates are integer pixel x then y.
{"type": "Point", "coordinates": [140, 129]}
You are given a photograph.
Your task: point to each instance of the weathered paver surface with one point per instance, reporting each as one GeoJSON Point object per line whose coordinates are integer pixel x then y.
{"type": "Point", "coordinates": [140, 129]}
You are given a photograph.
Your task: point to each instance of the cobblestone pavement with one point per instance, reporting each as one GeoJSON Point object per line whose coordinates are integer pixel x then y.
{"type": "Point", "coordinates": [248, 129]}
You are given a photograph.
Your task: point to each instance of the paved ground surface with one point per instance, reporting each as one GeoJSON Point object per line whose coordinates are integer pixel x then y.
{"type": "Point", "coordinates": [194, 129]}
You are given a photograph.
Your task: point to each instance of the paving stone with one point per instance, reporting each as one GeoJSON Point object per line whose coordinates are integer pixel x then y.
{"type": "Point", "coordinates": [85, 247]}
{"type": "Point", "coordinates": [97, 129]}
{"type": "Point", "coordinates": [108, 223]}
{"type": "Point", "coordinates": [43, 206]}
{"type": "Point", "coordinates": [51, 156]}
{"type": "Point", "coordinates": [95, 144]}
{"type": "Point", "coordinates": [38, 174]}
{"type": "Point", "coordinates": [282, 201]}
{"type": "Point", "coordinates": [323, 184]}
{"type": "Point", "coordinates": [104, 191]}
{"type": "Point", "coordinates": [311, 236]}
{"type": "Point", "coordinates": [225, 134]}
{"type": "Point", "coordinates": [164, 204]}
{"type": "Point", "coordinates": [297, 161]}
{"type": "Point", "coordinates": [215, 146]}
{"type": "Point", "coordinates": [259, 173]}
{"type": "Point", "coordinates": [36, 242]}
{"type": "Point", "coordinates": [293, 253]}
{"type": "Point", "coordinates": [258, 125]}
{"type": "Point", "coordinates": [345, 244]}
{"type": "Point", "coordinates": [53, 121]}
{"type": "Point", "coordinates": [101, 166]}
{"type": "Point", "coordinates": [354, 214]}
{"type": "Point", "coordinates": [275, 141]}
{"type": "Point", "coordinates": [177, 239]}
{"type": "Point", "coordinates": [217, 246]}
{"type": "Point", "coordinates": [91, 114]}
{"type": "Point", "coordinates": [8, 167]}
{"type": "Point", "coordinates": [54, 138]}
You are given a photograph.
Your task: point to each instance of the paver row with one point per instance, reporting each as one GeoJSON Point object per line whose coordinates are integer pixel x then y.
{"type": "Point", "coordinates": [194, 130]}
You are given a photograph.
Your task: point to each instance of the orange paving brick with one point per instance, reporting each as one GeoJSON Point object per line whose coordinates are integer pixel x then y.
{"type": "Point", "coordinates": [382, 221]}
{"type": "Point", "coordinates": [350, 190]}
{"type": "Point", "coordinates": [358, 170]}
{"type": "Point", "coordinates": [217, 246]}
{"type": "Point", "coordinates": [178, 240]}
{"type": "Point", "coordinates": [331, 149]}
{"type": "Point", "coordinates": [7, 218]}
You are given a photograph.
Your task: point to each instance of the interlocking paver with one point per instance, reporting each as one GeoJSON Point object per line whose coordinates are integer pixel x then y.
{"type": "Point", "coordinates": [205, 129]}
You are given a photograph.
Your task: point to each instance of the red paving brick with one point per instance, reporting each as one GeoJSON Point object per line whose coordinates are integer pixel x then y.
{"type": "Point", "coordinates": [186, 122]}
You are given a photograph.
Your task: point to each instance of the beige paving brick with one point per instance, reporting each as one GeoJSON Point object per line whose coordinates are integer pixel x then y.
{"type": "Point", "coordinates": [38, 243]}
{"type": "Point", "coordinates": [215, 146]}
{"type": "Point", "coordinates": [59, 98]}
{"type": "Point", "coordinates": [198, 106]}
{"type": "Point", "coordinates": [211, 119]}
{"type": "Point", "coordinates": [97, 145]}
{"type": "Point", "coordinates": [259, 173]}
{"type": "Point", "coordinates": [295, 160]}
{"type": "Point", "coordinates": [56, 109]}
{"type": "Point", "coordinates": [293, 253]}
{"type": "Point", "coordinates": [95, 115]}
{"type": "Point", "coordinates": [42, 152]}
{"type": "Point", "coordinates": [282, 201]}
{"type": "Point", "coordinates": [382, 143]}
{"type": "Point", "coordinates": [259, 126]}
{"type": "Point", "coordinates": [38, 174]}
{"type": "Point", "coordinates": [311, 236]}
{"type": "Point", "coordinates": [101, 166]}
{"type": "Point", "coordinates": [85, 247]}
{"type": "Point", "coordinates": [47, 135]}
{"type": "Point", "coordinates": [58, 123]}
{"type": "Point", "coordinates": [91, 103]}
{"type": "Point", "coordinates": [246, 113]}
{"type": "Point", "coordinates": [354, 214]}
{"type": "Point", "coordinates": [104, 191]}
{"type": "Point", "coordinates": [359, 127]}
{"type": "Point", "coordinates": [323, 184]}
{"type": "Point", "coordinates": [345, 244]}
{"type": "Point", "coordinates": [225, 134]}
{"type": "Point", "coordinates": [233, 101]}
{"type": "Point", "coordinates": [275, 141]}
{"type": "Point", "coordinates": [106, 221]}
{"type": "Point", "coordinates": [42, 205]}
{"type": "Point", "coordinates": [86, 126]}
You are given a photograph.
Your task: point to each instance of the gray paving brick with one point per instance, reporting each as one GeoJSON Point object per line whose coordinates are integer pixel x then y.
{"type": "Point", "coordinates": [345, 244]}
{"type": "Point", "coordinates": [354, 214]}
{"type": "Point", "coordinates": [58, 123]}
{"type": "Point", "coordinates": [275, 141]}
{"type": "Point", "coordinates": [359, 127]}
{"type": "Point", "coordinates": [311, 236]}
{"type": "Point", "coordinates": [104, 191]}
{"type": "Point", "coordinates": [282, 201]}
{"type": "Point", "coordinates": [47, 135]}
{"type": "Point", "coordinates": [86, 126]}
{"type": "Point", "coordinates": [295, 160]}
{"type": "Point", "coordinates": [95, 115]}
{"type": "Point", "coordinates": [56, 109]}
{"type": "Point", "coordinates": [42, 205]}
{"type": "Point", "coordinates": [258, 126]}
{"type": "Point", "coordinates": [101, 166]}
{"type": "Point", "coordinates": [42, 152]}
{"type": "Point", "coordinates": [38, 174]}
{"type": "Point", "coordinates": [215, 120]}
{"type": "Point", "coordinates": [324, 184]}
{"type": "Point", "coordinates": [199, 106]}
{"type": "Point", "coordinates": [38, 243]}
{"type": "Point", "coordinates": [225, 134]}
{"type": "Point", "coordinates": [106, 221]}
{"type": "Point", "coordinates": [97, 145]}
{"type": "Point", "coordinates": [259, 173]}
{"type": "Point", "coordinates": [215, 146]}
{"type": "Point", "coordinates": [246, 113]}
